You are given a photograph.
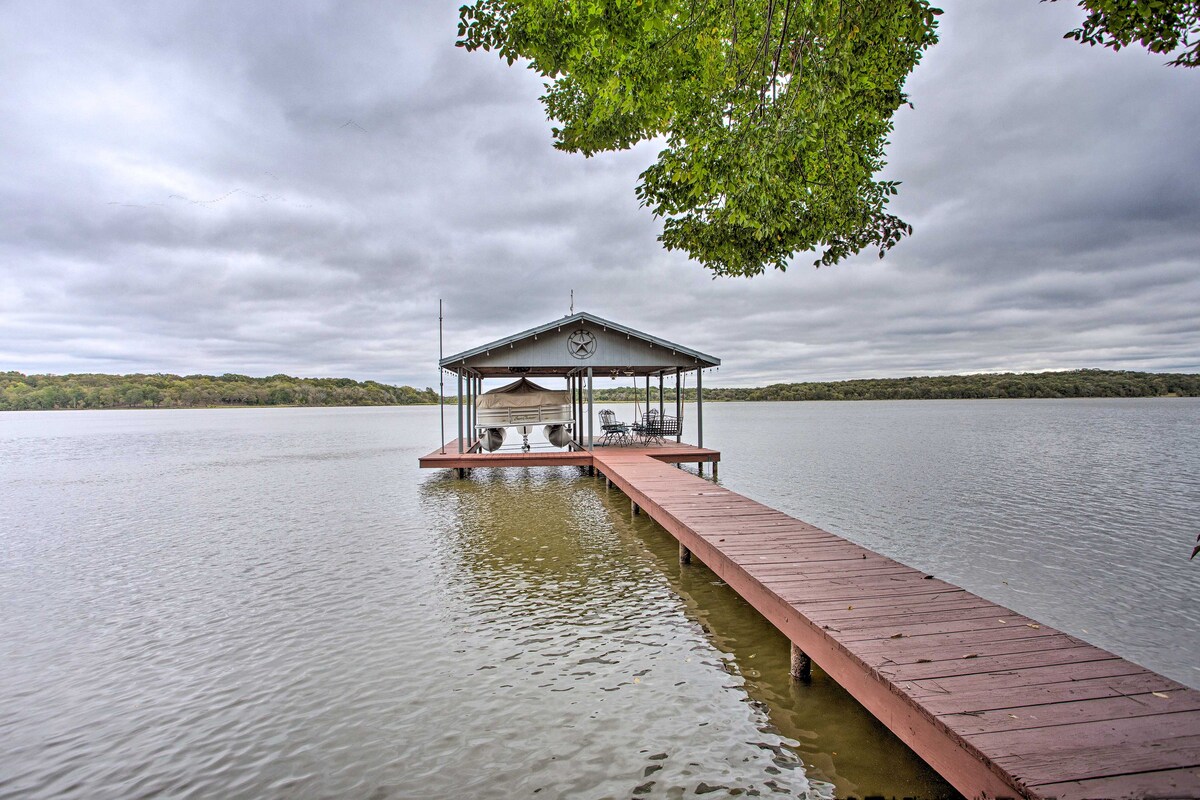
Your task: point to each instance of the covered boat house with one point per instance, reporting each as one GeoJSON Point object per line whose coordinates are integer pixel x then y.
{"type": "Point", "coordinates": [579, 349]}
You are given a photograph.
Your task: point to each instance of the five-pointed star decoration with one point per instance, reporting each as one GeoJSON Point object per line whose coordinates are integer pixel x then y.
{"type": "Point", "coordinates": [581, 344]}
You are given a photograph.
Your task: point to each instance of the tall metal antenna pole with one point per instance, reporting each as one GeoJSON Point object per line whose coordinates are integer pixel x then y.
{"type": "Point", "coordinates": [572, 302]}
{"type": "Point", "coordinates": [441, 380]}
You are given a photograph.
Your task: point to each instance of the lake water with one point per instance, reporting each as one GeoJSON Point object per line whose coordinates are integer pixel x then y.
{"type": "Point", "coordinates": [278, 603]}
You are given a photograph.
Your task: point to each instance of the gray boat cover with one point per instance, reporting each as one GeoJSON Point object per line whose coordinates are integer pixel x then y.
{"type": "Point", "coordinates": [522, 393]}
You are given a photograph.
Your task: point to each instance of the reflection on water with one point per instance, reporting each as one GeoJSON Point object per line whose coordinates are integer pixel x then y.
{"type": "Point", "coordinates": [603, 686]}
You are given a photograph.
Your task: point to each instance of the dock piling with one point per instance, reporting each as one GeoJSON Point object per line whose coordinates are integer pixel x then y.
{"type": "Point", "coordinates": [633, 507]}
{"type": "Point", "coordinates": [685, 555]}
{"type": "Point", "coordinates": [801, 669]}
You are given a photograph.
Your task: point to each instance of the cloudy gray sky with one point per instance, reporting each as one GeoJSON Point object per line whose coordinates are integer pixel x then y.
{"type": "Point", "coordinates": [1053, 190]}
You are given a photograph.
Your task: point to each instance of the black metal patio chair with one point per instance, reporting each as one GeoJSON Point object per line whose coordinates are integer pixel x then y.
{"type": "Point", "coordinates": [615, 432]}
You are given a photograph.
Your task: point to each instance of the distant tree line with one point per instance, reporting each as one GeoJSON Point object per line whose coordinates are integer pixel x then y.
{"type": "Point", "coordinates": [1075, 383]}
{"type": "Point", "coordinates": [21, 392]}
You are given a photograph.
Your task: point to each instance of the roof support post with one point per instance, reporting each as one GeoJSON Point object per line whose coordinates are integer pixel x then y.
{"type": "Point", "coordinates": [699, 407]}
{"type": "Point", "coordinates": [576, 411]}
{"type": "Point", "coordinates": [678, 407]}
{"type": "Point", "coordinates": [647, 391]}
{"type": "Point", "coordinates": [590, 415]}
{"type": "Point", "coordinates": [471, 408]}
{"type": "Point", "coordinates": [460, 410]}
{"type": "Point", "coordinates": [660, 395]}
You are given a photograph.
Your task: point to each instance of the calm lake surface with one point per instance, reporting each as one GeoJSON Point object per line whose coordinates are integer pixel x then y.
{"type": "Point", "coordinates": [278, 603]}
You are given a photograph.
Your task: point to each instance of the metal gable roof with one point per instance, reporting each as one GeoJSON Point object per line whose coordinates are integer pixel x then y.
{"type": "Point", "coordinates": [704, 359]}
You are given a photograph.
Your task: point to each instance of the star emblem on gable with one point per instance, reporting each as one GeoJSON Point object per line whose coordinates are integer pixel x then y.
{"type": "Point", "coordinates": [581, 344]}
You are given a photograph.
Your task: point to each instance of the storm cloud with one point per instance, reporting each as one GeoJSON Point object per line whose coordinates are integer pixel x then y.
{"type": "Point", "coordinates": [265, 188]}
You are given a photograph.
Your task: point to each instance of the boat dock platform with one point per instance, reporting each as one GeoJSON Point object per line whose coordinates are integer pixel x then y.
{"type": "Point", "coordinates": [998, 703]}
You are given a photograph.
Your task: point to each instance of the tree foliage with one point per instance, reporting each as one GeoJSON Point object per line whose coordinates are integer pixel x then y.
{"type": "Point", "coordinates": [1161, 26]}
{"type": "Point", "coordinates": [27, 392]}
{"type": "Point", "coordinates": [1073, 383]}
{"type": "Point", "coordinates": [775, 112]}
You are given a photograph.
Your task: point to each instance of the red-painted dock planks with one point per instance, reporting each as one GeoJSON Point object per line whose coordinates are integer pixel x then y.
{"type": "Point", "coordinates": [452, 459]}
{"type": "Point", "coordinates": [998, 703]}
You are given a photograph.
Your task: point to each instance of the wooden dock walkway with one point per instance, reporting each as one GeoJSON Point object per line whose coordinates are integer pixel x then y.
{"type": "Point", "coordinates": [999, 704]}
{"type": "Point", "coordinates": [668, 451]}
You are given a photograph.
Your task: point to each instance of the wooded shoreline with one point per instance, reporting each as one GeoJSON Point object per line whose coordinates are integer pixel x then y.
{"type": "Point", "coordinates": [96, 391]}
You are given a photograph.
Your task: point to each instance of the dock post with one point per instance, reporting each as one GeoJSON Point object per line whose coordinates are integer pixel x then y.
{"type": "Point", "coordinates": [678, 407]}
{"type": "Point", "coordinates": [801, 669]}
{"type": "Point", "coordinates": [590, 413]}
{"type": "Point", "coordinates": [633, 508]}
{"type": "Point", "coordinates": [685, 555]}
{"type": "Point", "coordinates": [714, 471]}
{"type": "Point", "coordinates": [475, 407]}
{"type": "Point", "coordinates": [700, 415]}
{"type": "Point", "coordinates": [460, 412]}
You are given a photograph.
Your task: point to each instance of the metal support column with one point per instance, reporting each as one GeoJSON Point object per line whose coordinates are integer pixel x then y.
{"type": "Point", "coordinates": [574, 407]}
{"type": "Point", "coordinates": [647, 392]}
{"type": "Point", "coordinates": [678, 406]}
{"type": "Point", "coordinates": [580, 428]}
{"type": "Point", "coordinates": [441, 382]}
{"type": "Point", "coordinates": [699, 408]}
{"type": "Point", "coordinates": [470, 406]}
{"type": "Point", "coordinates": [660, 395]}
{"type": "Point", "coordinates": [460, 410]}
{"type": "Point", "coordinates": [589, 409]}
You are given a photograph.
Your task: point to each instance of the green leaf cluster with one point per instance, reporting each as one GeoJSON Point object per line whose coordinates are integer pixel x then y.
{"type": "Point", "coordinates": [774, 113]}
{"type": "Point", "coordinates": [1161, 26]}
